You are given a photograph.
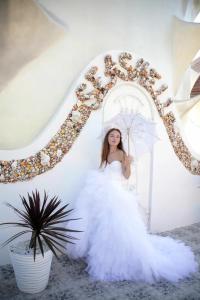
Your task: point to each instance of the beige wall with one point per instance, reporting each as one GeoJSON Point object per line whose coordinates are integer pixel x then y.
{"type": "Point", "coordinates": [32, 97]}
{"type": "Point", "coordinates": [25, 33]}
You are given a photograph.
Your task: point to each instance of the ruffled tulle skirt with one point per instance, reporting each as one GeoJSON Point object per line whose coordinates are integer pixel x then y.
{"type": "Point", "coordinates": [114, 240]}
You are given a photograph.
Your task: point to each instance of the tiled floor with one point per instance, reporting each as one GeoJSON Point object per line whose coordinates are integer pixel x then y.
{"type": "Point", "coordinates": [69, 281]}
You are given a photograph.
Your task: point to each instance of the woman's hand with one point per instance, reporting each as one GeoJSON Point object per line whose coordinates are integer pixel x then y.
{"type": "Point", "coordinates": [127, 160]}
{"type": "Point", "coordinates": [126, 163]}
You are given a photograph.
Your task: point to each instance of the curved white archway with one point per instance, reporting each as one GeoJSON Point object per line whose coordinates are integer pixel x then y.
{"type": "Point", "coordinates": [132, 97]}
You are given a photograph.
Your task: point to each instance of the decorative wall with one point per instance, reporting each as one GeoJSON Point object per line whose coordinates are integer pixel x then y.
{"type": "Point", "coordinates": [90, 95]}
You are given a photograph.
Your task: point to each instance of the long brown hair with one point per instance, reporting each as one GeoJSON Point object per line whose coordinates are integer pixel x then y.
{"type": "Point", "coordinates": [106, 146]}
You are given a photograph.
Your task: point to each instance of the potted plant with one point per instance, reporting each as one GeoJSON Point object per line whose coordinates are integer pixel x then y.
{"type": "Point", "coordinates": [32, 259]}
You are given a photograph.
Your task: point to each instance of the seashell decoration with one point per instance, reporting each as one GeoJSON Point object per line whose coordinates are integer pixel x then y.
{"type": "Point", "coordinates": [45, 159]}
{"type": "Point", "coordinates": [14, 165]}
{"type": "Point", "coordinates": [194, 164]}
{"type": "Point", "coordinates": [76, 116]}
{"type": "Point", "coordinates": [59, 153]}
{"type": "Point", "coordinates": [2, 178]}
{"type": "Point", "coordinates": [141, 73]}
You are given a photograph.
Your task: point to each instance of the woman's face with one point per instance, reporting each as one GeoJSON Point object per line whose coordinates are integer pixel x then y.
{"type": "Point", "coordinates": [114, 138]}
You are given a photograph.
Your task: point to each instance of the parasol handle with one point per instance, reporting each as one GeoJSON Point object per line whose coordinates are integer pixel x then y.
{"type": "Point", "coordinates": [128, 131]}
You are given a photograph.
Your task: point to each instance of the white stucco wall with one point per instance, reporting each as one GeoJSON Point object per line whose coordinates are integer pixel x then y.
{"type": "Point", "coordinates": [92, 27]}
{"type": "Point", "coordinates": [144, 28]}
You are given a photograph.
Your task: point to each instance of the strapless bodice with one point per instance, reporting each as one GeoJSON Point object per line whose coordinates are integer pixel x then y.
{"type": "Point", "coordinates": [114, 170]}
{"type": "Point", "coordinates": [115, 165]}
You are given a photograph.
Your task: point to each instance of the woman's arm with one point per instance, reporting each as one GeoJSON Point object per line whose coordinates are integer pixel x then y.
{"type": "Point", "coordinates": [126, 165]}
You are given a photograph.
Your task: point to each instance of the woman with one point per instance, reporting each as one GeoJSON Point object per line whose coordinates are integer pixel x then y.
{"type": "Point", "coordinates": [114, 240]}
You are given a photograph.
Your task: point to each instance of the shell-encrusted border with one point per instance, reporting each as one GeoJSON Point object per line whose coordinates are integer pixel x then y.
{"type": "Point", "coordinates": [89, 100]}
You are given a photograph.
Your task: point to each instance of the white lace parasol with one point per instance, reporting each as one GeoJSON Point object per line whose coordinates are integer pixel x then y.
{"type": "Point", "coordinates": [134, 126]}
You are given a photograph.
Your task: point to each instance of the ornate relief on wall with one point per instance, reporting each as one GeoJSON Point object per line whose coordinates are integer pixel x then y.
{"type": "Point", "coordinates": [90, 95]}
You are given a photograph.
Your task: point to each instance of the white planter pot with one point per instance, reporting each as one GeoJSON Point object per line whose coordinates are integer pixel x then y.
{"type": "Point", "coordinates": [31, 276]}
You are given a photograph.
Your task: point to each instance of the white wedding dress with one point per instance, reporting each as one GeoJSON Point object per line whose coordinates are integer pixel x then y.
{"type": "Point", "coordinates": [115, 242]}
